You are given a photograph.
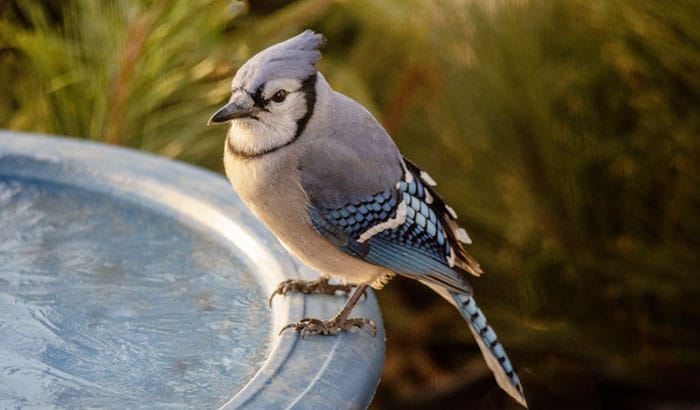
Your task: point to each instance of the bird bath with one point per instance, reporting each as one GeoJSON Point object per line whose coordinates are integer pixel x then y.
{"type": "Point", "coordinates": [128, 280]}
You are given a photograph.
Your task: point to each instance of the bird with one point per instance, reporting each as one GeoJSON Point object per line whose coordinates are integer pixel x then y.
{"type": "Point", "coordinates": [325, 177]}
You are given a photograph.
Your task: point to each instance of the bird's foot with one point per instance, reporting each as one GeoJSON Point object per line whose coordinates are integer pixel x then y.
{"type": "Point", "coordinates": [319, 286]}
{"type": "Point", "coordinates": [331, 326]}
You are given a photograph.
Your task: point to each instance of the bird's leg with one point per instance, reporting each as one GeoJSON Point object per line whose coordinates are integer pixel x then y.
{"type": "Point", "coordinates": [318, 286]}
{"type": "Point", "coordinates": [337, 323]}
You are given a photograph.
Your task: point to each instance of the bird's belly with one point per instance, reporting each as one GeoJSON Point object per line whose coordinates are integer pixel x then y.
{"type": "Point", "coordinates": [276, 198]}
{"type": "Point", "coordinates": [295, 232]}
{"type": "Point", "coordinates": [322, 256]}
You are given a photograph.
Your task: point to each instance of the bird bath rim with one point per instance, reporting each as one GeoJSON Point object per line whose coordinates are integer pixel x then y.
{"type": "Point", "coordinates": [205, 199]}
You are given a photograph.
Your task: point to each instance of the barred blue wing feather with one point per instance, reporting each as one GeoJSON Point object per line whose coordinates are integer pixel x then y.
{"type": "Point", "coordinates": [333, 231]}
{"type": "Point", "coordinates": [455, 234]}
{"type": "Point", "coordinates": [407, 228]}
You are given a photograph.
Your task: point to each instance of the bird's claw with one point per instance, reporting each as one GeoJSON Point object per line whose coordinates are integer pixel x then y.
{"type": "Point", "coordinates": [320, 286]}
{"type": "Point", "coordinates": [329, 327]}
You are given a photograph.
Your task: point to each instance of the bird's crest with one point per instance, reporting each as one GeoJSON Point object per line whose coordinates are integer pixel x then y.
{"type": "Point", "coordinates": [293, 58]}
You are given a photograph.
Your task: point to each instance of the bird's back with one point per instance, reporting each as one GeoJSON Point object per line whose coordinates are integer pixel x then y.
{"type": "Point", "coordinates": [348, 155]}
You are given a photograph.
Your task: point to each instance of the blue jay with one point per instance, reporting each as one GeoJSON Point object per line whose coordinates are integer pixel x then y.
{"type": "Point", "coordinates": [324, 176]}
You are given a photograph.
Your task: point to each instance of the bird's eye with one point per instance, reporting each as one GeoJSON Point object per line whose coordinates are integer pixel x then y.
{"type": "Point", "coordinates": [279, 96]}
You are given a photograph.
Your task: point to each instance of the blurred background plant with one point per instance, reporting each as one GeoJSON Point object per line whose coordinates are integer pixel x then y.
{"type": "Point", "coordinates": [566, 134]}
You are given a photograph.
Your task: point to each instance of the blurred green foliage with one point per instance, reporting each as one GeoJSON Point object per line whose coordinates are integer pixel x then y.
{"type": "Point", "coordinates": [566, 134]}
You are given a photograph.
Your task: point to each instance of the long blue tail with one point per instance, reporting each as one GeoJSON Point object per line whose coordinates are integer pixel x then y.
{"type": "Point", "coordinates": [494, 354]}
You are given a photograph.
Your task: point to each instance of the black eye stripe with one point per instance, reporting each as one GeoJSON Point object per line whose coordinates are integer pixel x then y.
{"type": "Point", "coordinates": [258, 98]}
{"type": "Point", "coordinates": [260, 101]}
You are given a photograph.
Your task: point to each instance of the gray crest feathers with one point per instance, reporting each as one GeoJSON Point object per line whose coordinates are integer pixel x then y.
{"type": "Point", "coordinates": [293, 58]}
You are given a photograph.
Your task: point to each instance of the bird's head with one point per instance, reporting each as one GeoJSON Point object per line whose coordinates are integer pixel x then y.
{"type": "Point", "coordinates": [273, 96]}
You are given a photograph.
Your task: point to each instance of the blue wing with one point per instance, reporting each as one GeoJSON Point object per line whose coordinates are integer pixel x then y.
{"type": "Point", "coordinates": [407, 229]}
{"type": "Point", "coordinates": [410, 230]}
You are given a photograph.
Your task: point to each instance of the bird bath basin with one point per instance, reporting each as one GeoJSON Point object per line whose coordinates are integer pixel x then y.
{"type": "Point", "coordinates": [128, 280]}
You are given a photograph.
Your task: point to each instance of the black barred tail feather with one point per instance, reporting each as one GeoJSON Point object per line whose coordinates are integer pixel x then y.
{"type": "Point", "coordinates": [494, 354]}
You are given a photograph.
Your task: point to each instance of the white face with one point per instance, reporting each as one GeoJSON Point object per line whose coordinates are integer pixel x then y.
{"type": "Point", "coordinates": [275, 124]}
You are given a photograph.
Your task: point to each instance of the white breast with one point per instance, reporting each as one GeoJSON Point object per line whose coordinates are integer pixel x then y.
{"type": "Point", "coordinates": [269, 186]}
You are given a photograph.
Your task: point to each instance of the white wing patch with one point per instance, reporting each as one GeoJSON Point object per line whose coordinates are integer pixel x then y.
{"type": "Point", "coordinates": [451, 211]}
{"type": "Point", "coordinates": [392, 223]}
{"type": "Point", "coordinates": [463, 236]}
{"type": "Point", "coordinates": [427, 178]}
{"type": "Point", "coordinates": [451, 258]}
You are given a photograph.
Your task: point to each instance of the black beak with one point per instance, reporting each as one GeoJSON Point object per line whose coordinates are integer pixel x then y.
{"type": "Point", "coordinates": [241, 105]}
